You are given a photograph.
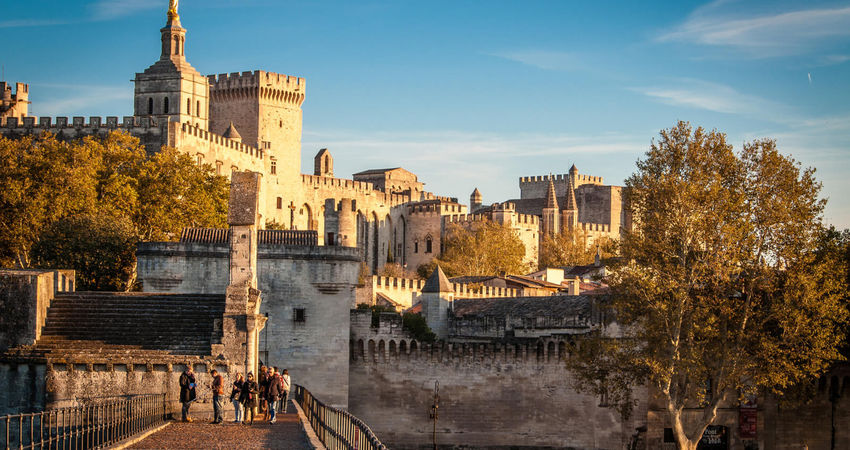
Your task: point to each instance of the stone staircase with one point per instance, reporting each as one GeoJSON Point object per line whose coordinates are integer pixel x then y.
{"type": "Point", "coordinates": [115, 326]}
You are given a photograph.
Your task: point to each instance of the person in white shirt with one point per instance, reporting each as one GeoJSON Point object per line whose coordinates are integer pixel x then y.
{"type": "Point", "coordinates": [284, 397]}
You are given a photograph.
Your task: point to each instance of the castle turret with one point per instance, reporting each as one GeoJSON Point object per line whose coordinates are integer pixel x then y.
{"type": "Point", "coordinates": [569, 216]}
{"type": "Point", "coordinates": [323, 164]}
{"type": "Point", "coordinates": [551, 215]}
{"type": "Point", "coordinates": [232, 134]}
{"type": "Point", "coordinates": [172, 89]}
{"type": "Point", "coordinates": [14, 105]}
{"type": "Point", "coordinates": [475, 201]}
{"type": "Point", "coordinates": [347, 223]}
{"type": "Point", "coordinates": [437, 296]}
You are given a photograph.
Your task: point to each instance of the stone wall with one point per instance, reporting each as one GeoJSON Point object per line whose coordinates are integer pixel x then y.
{"type": "Point", "coordinates": [317, 281]}
{"type": "Point", "coordinates": [490, 397]}
{"type": "Point", "coordinates": [25, 296]}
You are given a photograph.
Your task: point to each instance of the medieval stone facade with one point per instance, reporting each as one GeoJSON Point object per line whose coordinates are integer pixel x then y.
{"type": "Point", "coordinates": [253, 120]}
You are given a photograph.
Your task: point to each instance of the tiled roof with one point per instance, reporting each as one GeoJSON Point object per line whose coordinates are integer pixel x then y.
{"type": "Point", "coordinates": [554, 306]}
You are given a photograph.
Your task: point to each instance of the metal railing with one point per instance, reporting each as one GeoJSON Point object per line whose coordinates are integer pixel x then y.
{"type": "Point", "coordinates": [336, 429]}
{"type": "Point", "coordinates": [97, 423]}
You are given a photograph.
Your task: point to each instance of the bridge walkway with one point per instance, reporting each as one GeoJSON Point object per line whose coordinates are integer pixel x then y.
{"type": "Point", "coordinates": [287, 433]}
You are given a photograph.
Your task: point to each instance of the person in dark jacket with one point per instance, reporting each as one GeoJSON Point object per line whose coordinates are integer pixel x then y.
{"type": "Point", "coordinates": [273, 393]}
{"type": "Point", "coordinates": [235, 397]}
{"type": "Point", "coordinates": [187, 391]}
{"type": "Point", "coordinates": [263, 384]}
{"type": "Point", "coordinates": [250, 397]}
{"type": "Point", "coordinates": [218, 397]}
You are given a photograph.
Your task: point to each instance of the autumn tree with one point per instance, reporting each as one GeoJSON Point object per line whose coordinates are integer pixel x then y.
{"type": "Point", "coordinates": [721, 290]}
{"type": "Point", "coordinates": [47, 180]}
{"type": "Point", "coordinates": [573, 248]}
{"type": "Point", "coordinates": [487, 249]}
{"type": "Point", "coordinates": [101, 248]}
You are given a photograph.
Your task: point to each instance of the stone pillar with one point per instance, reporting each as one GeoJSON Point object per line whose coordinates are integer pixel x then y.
{"type": "Point", "coordinates": [242, 319]}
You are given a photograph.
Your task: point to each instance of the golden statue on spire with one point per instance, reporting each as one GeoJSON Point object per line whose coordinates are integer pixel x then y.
{"type": "Point", "coordinates": [172, 8]}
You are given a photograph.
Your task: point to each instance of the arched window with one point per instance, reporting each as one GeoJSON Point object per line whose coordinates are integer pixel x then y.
{"type": "Point", "coordinates": [189, 106]}
{"type": "Point", "coordinates": [150, 106]}
{"type": "Point", "coordinates": [198, 109]}
{"type": "Point", "coordinates": [428, 241]}
{"type": "Point", "coordinates": [165, 105]}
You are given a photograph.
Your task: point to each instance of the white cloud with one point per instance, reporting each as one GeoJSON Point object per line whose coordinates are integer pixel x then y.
{"type": "Point", "coordinates": [715, 97]}
{"type": "Point", "coordinates": [542, 59]}
{"type": "Point", "coordinates": [765, 35]}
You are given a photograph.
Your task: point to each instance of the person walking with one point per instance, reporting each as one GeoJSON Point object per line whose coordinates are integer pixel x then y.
{"type": "Point", "coordinates": [234, 398]}
{"type": "Point", "coordinates": [187, 391]}
{"type": "Point", "coordinates": [284, 396]}
{"type": "Point", "coordinates": [274, 392]}
{"type": "Point", "coordinates": [250, 397]}
{"type": "Point", "coordinates": [217, 392]}
{"type": "Point", "coordinates": [263, 384]}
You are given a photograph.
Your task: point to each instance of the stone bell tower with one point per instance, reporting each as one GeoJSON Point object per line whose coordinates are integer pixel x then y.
{"type": "Point", "coordinates": [171, 89]}
{"type": "Point", "coordinates": [242, 321]}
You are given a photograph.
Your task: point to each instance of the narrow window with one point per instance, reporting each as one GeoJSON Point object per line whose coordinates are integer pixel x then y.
{"type": "Point", "coordinates": [279, 203]}
{"type": "Point", "coordinates": [415, 246]}
{"type": "Point", "coordinates": [198, 109]}
{"type": "Point", "coordinates": [189, 106]}
{"type": "Point", "coordinates": [150, 106]}
{"type": "Point", "coordinates": [218, 167]}
{"type": "Point", "coordinates": [165, 105]}
{"type": "Point", "coordinates": [200, 159]}
{"type": "Point", "coordinates": [428, 244]}
{"type": "Point", "coordinates": [330, 239]}
{"type": "Point", "coordinates": [281, 124]}
{"type": "Point", "coordinates": [274, 167]}
{"type": "Point", "coordinates": [299, 315]}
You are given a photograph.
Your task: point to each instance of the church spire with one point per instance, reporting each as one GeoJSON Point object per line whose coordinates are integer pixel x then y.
{"type": "Point", "coordinates": [571, 196]}
{"type": "Point", "coordinates": [551, 197]}
{"type": "Point", "coordinates": [173, 36]}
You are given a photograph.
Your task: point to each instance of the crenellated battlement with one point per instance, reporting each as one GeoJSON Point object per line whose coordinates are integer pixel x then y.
{"type": "Point", "coordinates": [594, 227]}
{"type": "Point", "coordinates": [79, 122]}
{"type": "Point", "coordinates": [442, 209]}
{"type": "Point", "coordinates": [351, 186]}
{"type": "Point", "coordinates": [375, 348]}
{"type": "Point", "coordinates": [580, 179]}
{"type": "Point", "coordinates": [189, 130]}
{"type": "Point", "coordinates": [266, 85]}
{"type": "Point", "coordinates": [405, 291]}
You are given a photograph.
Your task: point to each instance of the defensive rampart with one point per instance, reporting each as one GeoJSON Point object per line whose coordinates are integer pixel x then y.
{"type": "Point", "coordinates": [405, 291]}
{"type": "Point", "coordinates": [499, 394]}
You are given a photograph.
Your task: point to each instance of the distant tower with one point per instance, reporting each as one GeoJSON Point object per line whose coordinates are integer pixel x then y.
{"type": "Point", "coordinates": [232, 133]}
{"type": "Point", "coordinates": [323, 164]}
{"type": "Point", "coordinates": [14, 105]}
{"type": "Point", "coordinates": [574, 176]}
{"type": "Point", "coordinates": [569, 216]}
{"type": "Point", "coordinates": [551, 213]}
{"type": "Point", "coordinates": [475, 200]}
{"type": "Point", "coordinates": [172, 89]}
{"type": "Point", "coordinates": [437, 296]}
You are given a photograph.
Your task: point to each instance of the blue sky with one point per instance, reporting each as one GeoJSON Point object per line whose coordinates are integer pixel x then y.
{"type": "Point", "coordinates": [476, 94]}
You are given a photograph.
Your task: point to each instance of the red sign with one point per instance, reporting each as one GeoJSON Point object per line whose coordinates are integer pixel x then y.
{"type": "Point", "coordinates": [748, 421]}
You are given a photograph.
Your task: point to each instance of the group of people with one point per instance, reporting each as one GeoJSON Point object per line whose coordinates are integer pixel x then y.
{"type": "Point", "coordinates": [269, 393]}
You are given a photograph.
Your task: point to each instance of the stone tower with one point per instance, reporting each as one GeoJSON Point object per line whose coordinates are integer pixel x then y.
{"type": "Point", "coordinates": [14, 105]}
{"type": "Point", "coordinates": [437, 297]}
{"type": "Point", "coordinates": [475, 200]}
{"type": "Point", "coordinates": [569, 216]}
{"type": "Point", "coordinates": [323, 164]}
{"type": "Point", "coordinates": [266, 109]}
{"type": "Point", "coordinates": [551, 214]}
{"type": "Point", "coordinates": [171, 89]}
{"type": "Point", "coordinates": [242, 320]}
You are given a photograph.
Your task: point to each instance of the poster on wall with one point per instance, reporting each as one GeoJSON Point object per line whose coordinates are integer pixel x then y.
{"type": "Point", "coordinates": [716, 437]}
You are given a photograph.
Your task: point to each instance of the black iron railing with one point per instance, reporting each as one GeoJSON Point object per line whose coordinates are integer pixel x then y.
{"type": "Point", "coordinates": [335, 428]}
{"type": "Point", "coordinates": [96, 423]}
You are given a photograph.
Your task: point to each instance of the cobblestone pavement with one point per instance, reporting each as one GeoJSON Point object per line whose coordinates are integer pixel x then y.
{"type": "Point", "coordinates": [285, 434]}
